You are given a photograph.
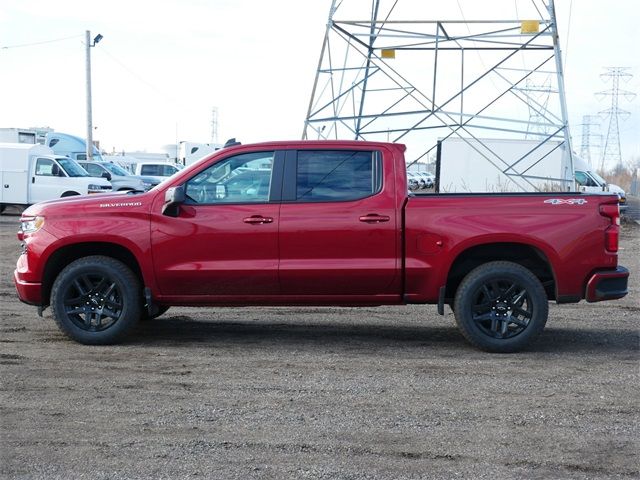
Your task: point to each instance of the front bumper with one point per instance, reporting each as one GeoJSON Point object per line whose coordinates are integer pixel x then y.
{"type": "Point", "coordinates": [28, 292]}
{"type": "Point", "coordinates": [607, 285]}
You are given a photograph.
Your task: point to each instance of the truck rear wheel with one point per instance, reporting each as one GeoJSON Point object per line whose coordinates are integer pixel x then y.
{"type": "Point", "coordinates": [501, 307]}
{"type": "Point", "coordinates": [96, 300]}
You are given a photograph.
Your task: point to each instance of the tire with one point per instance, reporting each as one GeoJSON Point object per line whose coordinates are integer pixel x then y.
{"type": "Point", "coordinates": [501, 307]}
{"type": "Point", "coordinates": [96, 300]}
{"type": "Point", "coordinates": [144, 315]}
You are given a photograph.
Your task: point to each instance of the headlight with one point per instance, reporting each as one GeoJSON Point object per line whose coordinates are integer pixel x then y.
{"type": "Point", "coordinates": [31, 224]}
{"type": "Point", "coordinates": [146, 185]}
{"type": "Point", "coordinates": [93, 188]}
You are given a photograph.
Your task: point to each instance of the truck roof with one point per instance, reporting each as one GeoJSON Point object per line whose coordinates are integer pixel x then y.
{"type": "Point", "coordinates": [27, 147]}
{"type": "Point", "coordinates": [357, 144]}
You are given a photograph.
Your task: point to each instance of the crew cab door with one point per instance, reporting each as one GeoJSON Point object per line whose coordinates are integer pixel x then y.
{"type": "Point", "coordinates": [224, 240]}
{"type": "Point", "coordinates": [339, 230]}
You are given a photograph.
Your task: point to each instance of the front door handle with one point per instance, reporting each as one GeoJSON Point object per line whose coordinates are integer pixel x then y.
{"type": "Point", "coordinates": [374, 218]}
{"type": "Point", "coordinates": [257, 220]}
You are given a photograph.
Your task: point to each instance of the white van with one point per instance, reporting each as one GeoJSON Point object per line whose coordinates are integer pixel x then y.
{"type": "Point", "coordinates": [32, 173]}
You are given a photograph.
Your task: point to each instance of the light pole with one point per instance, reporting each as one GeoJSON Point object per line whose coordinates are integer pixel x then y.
{"type": "Point", "coordinates": [89, 114]}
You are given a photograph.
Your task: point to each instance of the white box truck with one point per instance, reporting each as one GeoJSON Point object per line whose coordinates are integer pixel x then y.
{"type": "Point", "coordinates": [501, 165]}
{"type": "Point", "coordinates": [466, 165]}
{"type": "Point", "coordinates": [32, 173]}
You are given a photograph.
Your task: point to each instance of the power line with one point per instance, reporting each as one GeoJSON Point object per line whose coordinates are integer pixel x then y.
{"type": "Point", "coordinates": [33, 44]}
{"type": "Point", "coordinates": [566, 45]}
{"type": "Point", "coordinates": [137, 76]}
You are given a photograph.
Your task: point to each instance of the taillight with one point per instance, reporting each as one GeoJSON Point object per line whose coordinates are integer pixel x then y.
{"type": "Point", "coordinates": [612, 233]}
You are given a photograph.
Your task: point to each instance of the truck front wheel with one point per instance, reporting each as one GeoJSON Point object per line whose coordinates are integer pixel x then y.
{"type": "Point", "coordinates": [501, 307]}
{"type": "Point", "coordinates": [95, 300]}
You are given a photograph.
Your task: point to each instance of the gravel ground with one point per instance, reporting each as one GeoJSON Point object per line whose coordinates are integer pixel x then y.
{"type": "Point", "coordinates": [320, 393]}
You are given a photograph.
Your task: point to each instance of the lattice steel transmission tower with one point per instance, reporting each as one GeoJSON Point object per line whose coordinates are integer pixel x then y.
{"type": "Point", "coordinates": [541, 93]}
{"type": "Point", "coordinates": [611, 151]}
{"type": "Point", "coordinates": [589, 124]}
{"type": "Point", "coordinates": [389, 71]}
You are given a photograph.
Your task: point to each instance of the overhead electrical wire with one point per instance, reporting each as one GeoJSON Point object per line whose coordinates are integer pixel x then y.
{"type": "Point", "coordinates": [33, 44]}
{"type": "Point", "coordinates": [566, 45]}
{"type": "Point", "coordinates": [103, 50]}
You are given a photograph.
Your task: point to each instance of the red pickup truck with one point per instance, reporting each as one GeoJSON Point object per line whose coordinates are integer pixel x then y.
{"type": "Point", "coordinates": [317, 223]}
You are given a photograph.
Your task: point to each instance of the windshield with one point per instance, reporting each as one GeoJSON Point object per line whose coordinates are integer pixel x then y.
{"type": "Point", "coordinates": [115, 169]}
{"type": "Point", "coordinates": [598, 178]}
{"type": "Point", "coordinates": [72, 168]}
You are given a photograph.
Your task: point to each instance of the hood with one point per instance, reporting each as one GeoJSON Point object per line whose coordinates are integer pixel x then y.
{"type": "Point", "coordinates": [616, 189]}
{"type": "Point", "coordinates": [150, 179]}
{"type": "Point", "coordinates": [83, 203]}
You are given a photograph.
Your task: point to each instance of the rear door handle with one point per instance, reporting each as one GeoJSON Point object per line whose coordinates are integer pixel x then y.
{"type": "Point", "coordinates": [374, 218]}
{"type": "Point", "coordinates": [257, 220]}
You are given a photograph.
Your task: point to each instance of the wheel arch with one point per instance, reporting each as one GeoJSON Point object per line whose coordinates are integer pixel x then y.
{"type": "Point", "coordinates": [526, 255]}
{"type": "Point", "coordinates": [69, 193]}
{"type": "Point", "coordinates": [69, 253]}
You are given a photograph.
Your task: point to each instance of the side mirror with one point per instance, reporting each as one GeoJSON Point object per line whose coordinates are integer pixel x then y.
{"type": "Point", "coordinates": [106, 175]}
{"type": "Point", "coordinates": [173, 198]}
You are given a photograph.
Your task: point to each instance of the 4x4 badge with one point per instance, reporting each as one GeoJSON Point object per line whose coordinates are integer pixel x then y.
{"type": "Point", "coordinates": [569, 201]}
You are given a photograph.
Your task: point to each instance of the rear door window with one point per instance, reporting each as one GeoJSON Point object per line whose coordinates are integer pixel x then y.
{"type": "Point", "coordinates": [336, 175]}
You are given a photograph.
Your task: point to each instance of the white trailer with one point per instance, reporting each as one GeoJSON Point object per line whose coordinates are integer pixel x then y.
{"type": "Point", "coordinates": [191, 152]}
{"type": "Point", "coordinates": [33, 173]}
{"type": "Point", "coordinates": [499, 165]}
{"type": "Point", "coordinates": [24, 135]}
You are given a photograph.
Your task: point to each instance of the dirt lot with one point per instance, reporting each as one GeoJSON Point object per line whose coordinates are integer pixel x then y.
{"type": "Point", "coordinates": [320, 394]}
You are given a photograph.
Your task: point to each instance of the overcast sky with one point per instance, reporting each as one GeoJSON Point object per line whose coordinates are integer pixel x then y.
{"type": "Point", "coordinates": [163, 65]}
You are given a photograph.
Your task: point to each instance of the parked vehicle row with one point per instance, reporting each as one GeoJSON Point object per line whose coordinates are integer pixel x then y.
{"type": "Point", "coordinates": [420, 180]}
{"type": "Point", "coordinates": [32, 173]}
{"type": "Point", "coordinates": [121, 179]}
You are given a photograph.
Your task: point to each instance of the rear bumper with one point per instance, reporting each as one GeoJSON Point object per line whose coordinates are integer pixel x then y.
{"type": "Point", "coordinates": [607, 285]}
{"type": "Point", "coordinates": [28, 292]}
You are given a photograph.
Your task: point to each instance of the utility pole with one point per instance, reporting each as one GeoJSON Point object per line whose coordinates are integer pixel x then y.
{"type": "Point", "coordinates": [88, 46]}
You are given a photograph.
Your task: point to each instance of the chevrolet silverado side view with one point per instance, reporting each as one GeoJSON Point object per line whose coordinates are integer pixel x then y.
{"type": "Point", "coordinates": [317, 223]}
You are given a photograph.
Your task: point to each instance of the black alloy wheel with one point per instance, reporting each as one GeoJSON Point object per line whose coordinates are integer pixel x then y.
{"type": "Point", "coordinates": [96, 300]}
{"type": "Point", "coordinates": [93, 302]}
{"type": "Point", "coordinates": [501, 307]}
